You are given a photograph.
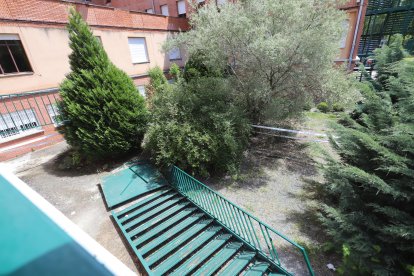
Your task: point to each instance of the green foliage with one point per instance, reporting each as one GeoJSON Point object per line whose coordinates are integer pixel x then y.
{"type": "Point", "coordinates": [386, 56]}
{"type": "Point", "coordinates": [105, 114]}
{"type": "Point", "coordinates": [195, 68]}
{"type": "Point", "coordinates": [277, 62]}
{"type": "Point", "coordinates": [157, 81]}
{"type": "Point", "coordinates": [323, 107]}
{"type": "Point", "coordinates": [196, 126]}
{"type": "Point", "coordinates": [175, 72]}
{"type": "Point", "coordinates": [336, 107]}
{"type": "Point", "coordinates": [368, 201]}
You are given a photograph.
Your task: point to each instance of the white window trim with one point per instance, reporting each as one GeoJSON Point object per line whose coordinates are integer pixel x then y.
{"type": "Point", "coordinates": [162, 7]}
{"type": "Point", "coordinates": [180, 3]}
{"type": "Point", "coordinates": [135, 61]}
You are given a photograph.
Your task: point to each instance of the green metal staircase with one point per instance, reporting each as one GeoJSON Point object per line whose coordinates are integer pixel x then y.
{"type": "Point", "coordinates": [185, 228]}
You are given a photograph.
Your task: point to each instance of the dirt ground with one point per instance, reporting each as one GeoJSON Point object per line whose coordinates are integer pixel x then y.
{"type": "Point", "coordinates": [276, 176]}
{"type": "Point", "coordinates": [75, 195]}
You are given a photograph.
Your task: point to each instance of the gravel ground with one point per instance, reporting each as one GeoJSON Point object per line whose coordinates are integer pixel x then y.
{"type": "Point", "coordinates": [276, 177]}
{"type": "Point", "coordinates": [75, 194]}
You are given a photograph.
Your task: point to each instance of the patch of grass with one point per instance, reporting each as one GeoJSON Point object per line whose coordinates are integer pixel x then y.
{"type": "Point", "coordinates": [320, 116]}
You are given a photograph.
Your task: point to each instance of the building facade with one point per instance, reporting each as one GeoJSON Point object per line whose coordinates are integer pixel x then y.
{"type": "Point", "coordinates": [353, 25]}
{"type": "Point", "coordinates": [383, 20]}
{"type": "Point", "coordinates": [34, 49]}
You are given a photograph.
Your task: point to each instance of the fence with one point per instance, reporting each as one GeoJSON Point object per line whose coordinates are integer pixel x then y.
{"type": "Point", "coordinates": [28, 112]}
{"type": "Point", "coordinates": [247, 227]}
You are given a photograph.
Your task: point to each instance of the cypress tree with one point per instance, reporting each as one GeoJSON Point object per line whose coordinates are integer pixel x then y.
{"type": "Point", "coordinates": [368, 199]}
{"type": "Point", "coordinates": [105, 115]}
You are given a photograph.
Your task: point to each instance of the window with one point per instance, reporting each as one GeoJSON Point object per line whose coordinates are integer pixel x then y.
{"type": "Point", "coordinates": [13, 58]}
{"type": "Point", "coordinates": [98, 38]}
{"type": "Point", "coordinates": [54, 114]}
{"type": "Point", "coordinates": [149, 11]}
{"type": "Point", "coordinates": [138, 49]}
{"type": "Point", "coordinates": [14, 122]}
{"type": "Point", "coordinates": [164, 10]}
{"type": "Point", "coordinates": [221, 2]}
{"type": "Point", "coordinates": [345, 29]}
{"type": "Point", "coordinates": [175, 54]}
{"type": "Point", "coordinates": [181, 8]}
{"type": "Point", "coordinates": [141, 90]}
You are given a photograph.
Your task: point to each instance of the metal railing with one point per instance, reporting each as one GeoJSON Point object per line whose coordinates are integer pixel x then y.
{"type": "Point", "coordinates": [22, 113]}
{"type": "Point", "coordinates": [250, 229]}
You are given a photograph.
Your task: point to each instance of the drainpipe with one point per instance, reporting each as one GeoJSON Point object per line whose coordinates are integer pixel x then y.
{"type": "Point", "coordinates": [351, 55]}
{"type": "Point", "coordinates": [153, 6]}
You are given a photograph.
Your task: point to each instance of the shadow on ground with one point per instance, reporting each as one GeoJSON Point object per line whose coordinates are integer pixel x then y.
{"type": "Point", "coordinates": [66, 164]}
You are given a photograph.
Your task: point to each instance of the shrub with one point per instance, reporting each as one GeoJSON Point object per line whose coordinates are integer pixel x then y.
{"type": "Point", "coordinates": [175, 71]}
{"type": "Point", "coordinates": [323, 107]}
{"type": "Point", "coordinates": [338, 107]}
{"type": "Point", "coordinates": [368, 196]}
{"type": "Point", "coordinates": [196, 126]}
{"type": "Point", "coordinates": [157, 82]}
{"type": "Point", "coordinates": [105, 114]}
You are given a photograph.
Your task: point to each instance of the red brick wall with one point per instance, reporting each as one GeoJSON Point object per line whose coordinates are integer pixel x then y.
{"type": "Point", "coordinates": [54, 11]}
{"type": "Point", "coordinates": [143, 5]}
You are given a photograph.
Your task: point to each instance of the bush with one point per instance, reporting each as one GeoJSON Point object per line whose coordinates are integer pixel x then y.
{"type": "Point", "coordinates": [196, 127]}
{"type": "Point", "coordinates": [106, 116]}
{"type": "Point", "coordinates": [323, 107]}
{"type": "Point", "coordinates": [336, 107]}
{"type": "Point", "coordinates": [368, 196]}
{"type": "Point", "coordinates": [157, 82]}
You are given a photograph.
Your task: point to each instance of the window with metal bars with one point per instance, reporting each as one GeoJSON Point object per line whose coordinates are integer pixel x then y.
{"type": "Point", "coordinates": [13, 58]}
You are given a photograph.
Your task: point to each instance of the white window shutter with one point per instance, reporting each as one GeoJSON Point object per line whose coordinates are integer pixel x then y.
{"type": "Point", "coordinates": [345, 29]}
{"type": "Point", "coordinates": [181, 7]}
{"type": "Point", "coordinates": [175, 54]}
{"type": "Point", "coordinates": [221, 2]}
{"type": "Point", "coordinates": [9, 37]}
{"type": "Point", "coordinates": [141, 90]}
{"type": "Point", "coordinates": [164, 10]}
{"type": "Point", "coordinates": [138, 49]}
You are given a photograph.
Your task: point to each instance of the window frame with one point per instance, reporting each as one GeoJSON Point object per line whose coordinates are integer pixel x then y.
{"type": "Point", "coordinates": [18, 73]}
{"type": "Point", "coordinates": [168, 10]}
{"type": "Point", "coordinates": [174, 59]}
{"type": "Point", "coordinates": [184, 15]}
{"type": "Point", "coordinates": [146, 50]}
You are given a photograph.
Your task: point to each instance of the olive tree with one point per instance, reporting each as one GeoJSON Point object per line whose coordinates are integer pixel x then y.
{"type": "Point", "coordinates": [279, 54]}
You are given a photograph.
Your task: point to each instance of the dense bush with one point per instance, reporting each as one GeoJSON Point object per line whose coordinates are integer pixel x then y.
{"type": "Point", "coordinates": [157, 82]}
{"type": "Point", "coordinates": [336, 107]}
{"type": "Point", "coordinates": [368, 198]}
{"type": "Point", "coordinates": [196, 126]}
{"type": "Point", "coordinates": [323, 107]}
{"type": "Point", "coordinates": [105, 114]}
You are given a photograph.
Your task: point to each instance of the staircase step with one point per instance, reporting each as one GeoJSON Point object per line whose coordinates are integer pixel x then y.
{"type": "Point", "coordinates": [162, 227]}
{"type": "Point", "coordinates": [239, 263]}
{"type": "Point", "coordinates": [258, 269]}
{"type": "Point", "coordinates": [141, 203]}
{"type": "Point", "coordinates": [177, 242]}
{"type": "Point", "coordinates": [187, 250]}
{"type": "Point", "coordinates": [219, 259]}
{"type": "Point", "coordinates": [202, 255]}
{"type": "Point", "coordinates": [150, 214]}
{"type": "Point", "coordinates": [159, 241]}
{"type": "Point", "coordinates": [139, 211]}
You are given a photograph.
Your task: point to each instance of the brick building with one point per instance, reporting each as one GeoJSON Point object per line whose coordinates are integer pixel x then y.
{"type": "Point", "coordinates": [34, 60]}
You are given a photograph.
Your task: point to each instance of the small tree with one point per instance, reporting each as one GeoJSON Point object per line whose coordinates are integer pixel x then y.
{"type": "Point", "coordinates": [278, 54]}
{"type": "Point", "coordinates": [157, 82]}
{"type": "Point", "coordinates": [369, 196]}
{"type": "Point", "coordinates": [105, 114]}
{"type": "Point", "coordinates": [196, 126]}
